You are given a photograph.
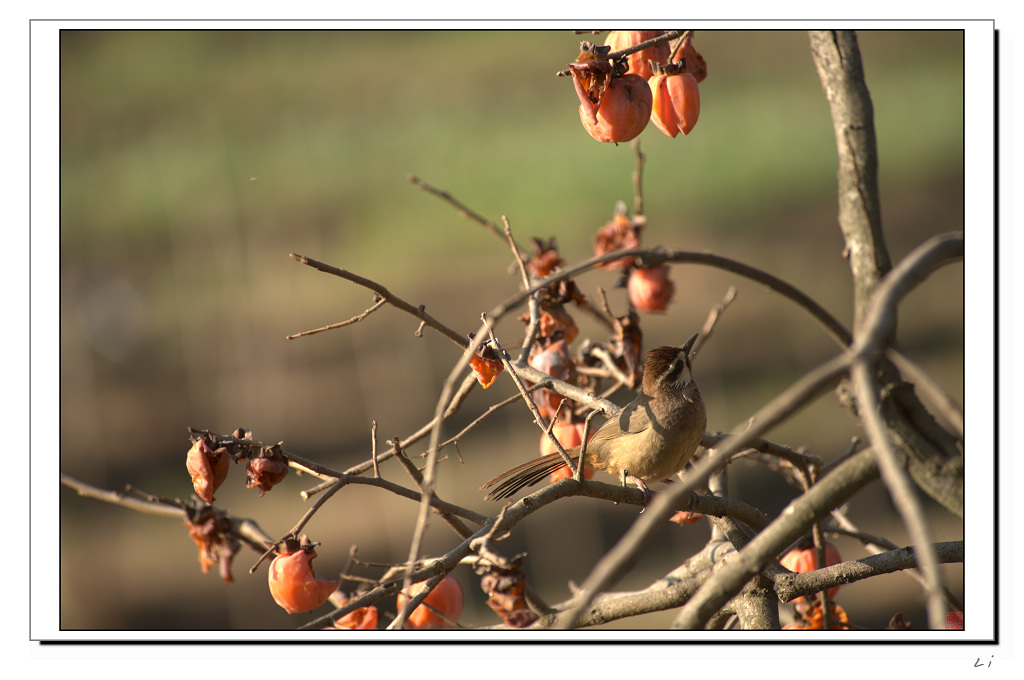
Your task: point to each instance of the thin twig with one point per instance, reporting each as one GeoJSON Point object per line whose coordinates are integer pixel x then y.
{"type": "Point", "coordinates": [515, 251]}
{"type": "Point", "coordinates": [532, 329]}
{"type": "Point", "coordinates": [578, 472]}
{"type": "Point", "coordinates": [468, 384]}
{"type": "Point", "coordinates": [712, 320]}
{"type": "Point", "coordinates": [490, 410]}
{"type": "Point", "coordinates": [118, 498]}
{"type": "Point", "coordinates": [609, 364]}
{"type": "Point", "coordinates": [294, 532]}
{"type": "Point", "coordinates": [419, 312]}
{"type": "Point", "coordinates": [454, 522]}
{"type": "Point", "coordinates": [355, 319]}
{"type": "Point", "coordinates": [458, 205]}
{"type": "Point", "coordinates": [373, 448]}
{"type": "Point", "coordinates": [638, 178]}
{"type": "Point", "coordinates": [680, 43]}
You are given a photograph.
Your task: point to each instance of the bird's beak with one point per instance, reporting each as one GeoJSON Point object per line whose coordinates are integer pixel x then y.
{"type": "Point", "coordinates": [688, 345]}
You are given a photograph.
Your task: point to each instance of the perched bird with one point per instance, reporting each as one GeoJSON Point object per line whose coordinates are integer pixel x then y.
{"type": "Point", "coordinates": [650, 440]}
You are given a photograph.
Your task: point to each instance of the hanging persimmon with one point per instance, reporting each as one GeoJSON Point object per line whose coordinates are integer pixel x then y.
{"type": "Point", "coordinates": [293, 583]}
{"type": "Point", "coordinates": [556, 361]}
{"type": "Point", "coordinates": [486, 370]}
{"type": "Point", "coordinates": [675, 99]}
{"type": "Point", "coordinates": [624, 111]}
{"type": "Point", "coordinates": [208, 467]}
{"type": "Point", "coordinates": [265, 470]}
{"type": "Point", "coordinates": [650, 290]}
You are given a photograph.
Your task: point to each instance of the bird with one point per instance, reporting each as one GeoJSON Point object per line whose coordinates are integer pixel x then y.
{"type": "Point", "coordinates": [650, 440]}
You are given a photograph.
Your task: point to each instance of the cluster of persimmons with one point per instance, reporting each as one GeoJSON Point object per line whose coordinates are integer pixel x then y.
{"type": "Point", "coordinates": [619, 98]}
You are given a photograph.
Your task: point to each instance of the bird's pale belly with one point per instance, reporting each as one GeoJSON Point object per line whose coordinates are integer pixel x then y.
{"type": "Point", "coordinates": [669, 456]}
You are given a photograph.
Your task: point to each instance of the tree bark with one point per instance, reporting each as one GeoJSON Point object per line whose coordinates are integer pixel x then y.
{"type": "Point", "coordinates": [933, 457]}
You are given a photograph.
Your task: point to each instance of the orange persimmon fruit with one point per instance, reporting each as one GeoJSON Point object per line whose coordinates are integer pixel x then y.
{"type": "Point", "coordinates": [650, 290]}
{"type": "Point", "coordinates": [556, 361]}
{"type": "Point", "coordinates": [675, 101]}
{"type": "Point", "coordinates": [445, 599]}
{"type": "Point", "coordinates": [624, 111]}
{"type": "Point", "coordinates": [293, 583]}
{"type": "Point", "coordinates": [486, 370]}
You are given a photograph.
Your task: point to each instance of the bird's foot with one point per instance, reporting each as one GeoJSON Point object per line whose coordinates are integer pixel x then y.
{"type": "Point", "coordinates": [640, 485]}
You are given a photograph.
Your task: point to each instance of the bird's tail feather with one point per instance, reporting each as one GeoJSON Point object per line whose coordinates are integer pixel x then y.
{"type": "Point", "coordinates": [525, 474]}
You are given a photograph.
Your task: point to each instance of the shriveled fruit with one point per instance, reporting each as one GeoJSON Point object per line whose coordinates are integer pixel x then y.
{"type": "Point", "coordinates": [545, 258]}
{"type": "Point", "coordinates": [266, 470]}
{"type": "Point", "coordinates": [695, 64]}
{"type": "Point", "coordinates": [676, 102]}
{"type": "Point", "coordinates": [554, 319]}
{"type": "Point", "coordinates": [207, 467]}
{"type": "Point", "coordinates": [624, 111]}
{"type": "Point", "coordinates": [439, 609]}
{"type": "Point", "coordinates": [620, 233]}
{"type": "Point", "coordinates": [505, 594]}
{"type": "Point", "coordinates": [591, 73]}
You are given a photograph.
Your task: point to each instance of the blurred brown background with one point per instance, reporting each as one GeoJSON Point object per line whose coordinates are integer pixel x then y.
{"type": "Point", "coordinates": [192, 163]}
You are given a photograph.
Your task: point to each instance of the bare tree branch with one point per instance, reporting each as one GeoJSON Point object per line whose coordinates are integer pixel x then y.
{"type": "Point", "coordinates": [790, 586]}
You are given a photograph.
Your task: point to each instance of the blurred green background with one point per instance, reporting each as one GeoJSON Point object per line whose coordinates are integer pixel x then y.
{"type": "Point", "coordinates": [194, 162]}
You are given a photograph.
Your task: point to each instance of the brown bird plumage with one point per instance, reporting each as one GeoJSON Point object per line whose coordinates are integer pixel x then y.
{"type": "Point", "coordinates": [650, 440]}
